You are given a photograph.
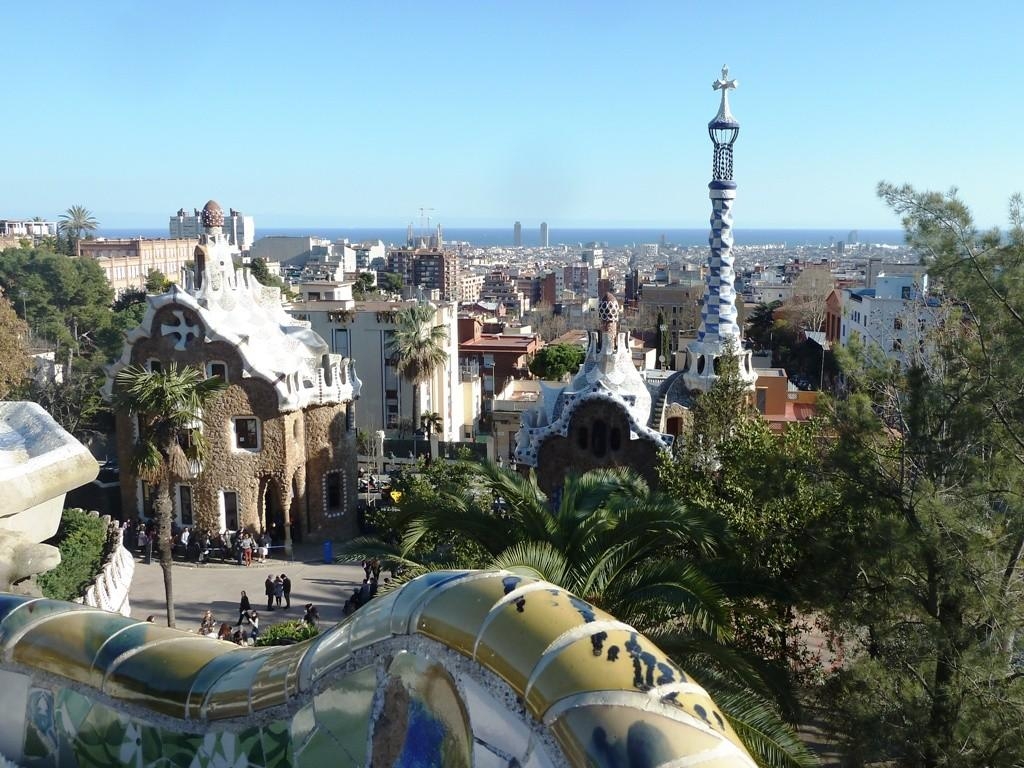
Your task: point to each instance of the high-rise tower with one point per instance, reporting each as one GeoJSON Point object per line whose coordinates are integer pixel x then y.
{"type": "Point", "coordinates": [719, 331]}
{"type": "Point", "coordinates": [517, 234]}
{"type": "Point", "coordinates": [544, 234]}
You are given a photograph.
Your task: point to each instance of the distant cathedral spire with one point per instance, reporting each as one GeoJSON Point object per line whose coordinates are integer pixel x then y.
{"type": "Point", "coordinates": [719, 330]}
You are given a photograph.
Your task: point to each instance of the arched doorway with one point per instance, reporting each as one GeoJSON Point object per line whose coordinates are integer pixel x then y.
{"type": "Point", "coordinates": [272, 518]}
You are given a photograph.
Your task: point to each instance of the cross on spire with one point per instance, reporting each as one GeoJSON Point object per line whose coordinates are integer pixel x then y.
{"type": "Point", "coordinates": [724, 84]}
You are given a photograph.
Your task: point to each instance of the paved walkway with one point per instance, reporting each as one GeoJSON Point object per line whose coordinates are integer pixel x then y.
{"type": "Point", "coordinates": [218, 587]}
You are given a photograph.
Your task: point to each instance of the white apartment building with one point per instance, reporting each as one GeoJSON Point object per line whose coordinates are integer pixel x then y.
{"type": "Point", "coordinates": [896, 316]}
{"type": "Point", "coordinates": [240, 229]}
{"type": "Point", "coordinates": [363, 331]}
{"type": "Point", "coordinates": [25, 228]}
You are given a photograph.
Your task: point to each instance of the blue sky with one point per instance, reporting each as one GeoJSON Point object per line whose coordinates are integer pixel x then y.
{"type": "Point", "coordinates": [577, 113]}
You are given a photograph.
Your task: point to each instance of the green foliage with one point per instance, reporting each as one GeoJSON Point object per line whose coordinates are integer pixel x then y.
{"type": "Point", "coordinates": [390, 282]}
{"type": "Point", "coordinates": [364, 285]}
{"type": "Point", "coordinates": [76, 222]}
{"type": "Point", "coordinates": [930, 454]}
{"type": "Point", "coordinates": [157, 282]}
{"type": "Point", "coordinates": [15, 362]}
{"type": "Point", "coordinates": [418, 347]}
{"type": "Point", "coordinates": [555, 361]}
{"type": "Point", "coordinates": [82, 540]}
{"type": "Point", "coordinates": [644, 557]}
{"type": "Point", "coordinates": [263, 276]}
{"type": "Point", "coordinates": [286, 633]}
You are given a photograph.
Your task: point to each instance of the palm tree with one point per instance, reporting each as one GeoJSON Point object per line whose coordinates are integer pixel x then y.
{"type": "Point", "coordinates": [75, 222]}
{"type": "Point", "coordinates": [418, 348]}
{"type": "Point", "coordinates": [169, 405]}
{"type": "Point", "coordinates": [431, 422]}
{"type": "Point", "coordinates": [636, 553]}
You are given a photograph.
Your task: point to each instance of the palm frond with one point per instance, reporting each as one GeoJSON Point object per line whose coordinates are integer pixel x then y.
{"type": "Point", "coordinates": [768, 738]}
{"type": "Point", "coordinates": [539, 557]}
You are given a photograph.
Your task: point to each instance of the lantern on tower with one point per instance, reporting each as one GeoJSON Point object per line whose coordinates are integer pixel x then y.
{"type": "Point", "coordinates": [723, 129]}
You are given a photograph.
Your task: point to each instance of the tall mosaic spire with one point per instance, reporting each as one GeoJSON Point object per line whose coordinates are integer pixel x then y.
{"type": "Point", "coordinates": [719, 330]}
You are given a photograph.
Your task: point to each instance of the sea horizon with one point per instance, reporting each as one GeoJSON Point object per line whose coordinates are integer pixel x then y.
{"type": "Point", "coordinates": [569, 236]}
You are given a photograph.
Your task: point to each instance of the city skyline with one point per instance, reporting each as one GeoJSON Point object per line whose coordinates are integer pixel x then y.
{"type": "Point", "coordinates": [582, 113]}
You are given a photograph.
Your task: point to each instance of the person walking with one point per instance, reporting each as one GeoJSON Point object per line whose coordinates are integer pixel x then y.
{"type": "Point", "coordinates": [278, 591]}
{"type": "Point", "coordinates": [243, 606]}
{"type": "Point", "coordinates": [247, 549]}
{"type": "Point", "coordinates": [287, 584]}
{"type": "Point", "coordinates": [268, 587]}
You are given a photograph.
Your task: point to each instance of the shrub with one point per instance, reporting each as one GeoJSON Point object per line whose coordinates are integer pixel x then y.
{"type": "Point", "coordinates": [81, 539]}
{"type": "Point", "coordinates": [286, 633]}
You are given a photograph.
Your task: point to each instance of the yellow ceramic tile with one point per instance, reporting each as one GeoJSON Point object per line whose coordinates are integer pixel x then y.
{"type": "Point", "coordinates": [270, 686]}
{"type": "Point", "coordinates": [517, 633]}
{"type": "Point", "coordinates": [229, 695]}
{"type": "Point", "coordinates": [208, 676]}
{"type": "Point", "coordinates": [160, 675]}
{"type": "Point", "coordinates": [620, 735]}
{"type": "Point", "coordinates": [128, 639]}
{"type": "Point", "coordinates": [412, 595]}
{"type": "Point", "coordinates": [454, 616]}
{"type": "Point", "coordinates": [66, 644]}
{"type": "Point", "coordinates": [602, 659]}
{"type": "Point", "coordinates": [344, 709]}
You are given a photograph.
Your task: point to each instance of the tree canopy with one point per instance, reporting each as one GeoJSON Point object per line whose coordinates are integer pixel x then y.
{"type": "Point", "coordinates": [555, 361]}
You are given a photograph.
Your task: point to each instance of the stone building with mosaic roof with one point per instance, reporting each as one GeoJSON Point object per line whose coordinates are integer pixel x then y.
{"type": "Point", "coordinates": [282, 442]}
{"type": "Point", "coordinates": [599, 419]}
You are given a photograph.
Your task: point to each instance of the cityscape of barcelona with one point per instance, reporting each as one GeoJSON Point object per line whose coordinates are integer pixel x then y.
{"type": "Point", "coordinates": [577, 384]}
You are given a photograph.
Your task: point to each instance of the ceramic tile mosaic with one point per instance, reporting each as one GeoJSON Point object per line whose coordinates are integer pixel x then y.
{"type": "Point", "coordinates": [345, 710]}
{"type": "Point", "coordinates": [373, 690]}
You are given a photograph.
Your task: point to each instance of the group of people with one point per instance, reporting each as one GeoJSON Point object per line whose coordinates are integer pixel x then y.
{"type": "Point", "coordinates": [198, 546]}
{"type": "Point", "coordinates": [362, 594]}
{"type": "Point", "coordinates": [246, 631]}
{"type": "Point", "coordinates": [278, 588]}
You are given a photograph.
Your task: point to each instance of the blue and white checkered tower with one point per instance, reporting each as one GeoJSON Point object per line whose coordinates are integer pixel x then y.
{"type": "Point", "coordinates": [718, 328]}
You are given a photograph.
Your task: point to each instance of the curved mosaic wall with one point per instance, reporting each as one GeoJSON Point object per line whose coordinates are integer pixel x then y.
{"type": "Point", "coordinates": [454, 669]}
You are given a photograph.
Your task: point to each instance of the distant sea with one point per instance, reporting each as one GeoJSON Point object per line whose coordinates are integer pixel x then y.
{"type": "Point", "coordinates": [610, 237]}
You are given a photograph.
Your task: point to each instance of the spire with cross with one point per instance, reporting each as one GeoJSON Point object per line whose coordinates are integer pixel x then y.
{"type": "Point", "coordinates": [719, 332]}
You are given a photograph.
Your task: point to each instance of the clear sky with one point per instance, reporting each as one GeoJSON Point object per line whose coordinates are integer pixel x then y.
{"type": "Point", "coordinates": [577, 113]}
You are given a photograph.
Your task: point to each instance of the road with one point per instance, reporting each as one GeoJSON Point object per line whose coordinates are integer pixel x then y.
{"type": "Point", "coordinates": [218, 587]}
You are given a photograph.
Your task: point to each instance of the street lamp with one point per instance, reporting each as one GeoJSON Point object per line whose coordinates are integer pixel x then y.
{"type": "Point", "coordinates": [662, 330]}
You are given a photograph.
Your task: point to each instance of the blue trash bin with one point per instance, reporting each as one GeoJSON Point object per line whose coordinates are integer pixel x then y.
{"type": "Point", "coordinates": [328, 551]}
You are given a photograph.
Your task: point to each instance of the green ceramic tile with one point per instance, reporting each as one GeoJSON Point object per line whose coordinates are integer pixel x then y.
{"type": "Point", "coordinates": [101, 738]}
{"type": "Point", "coordinates": [251, 741]}
{"type": "Point", "coordinates": [329, 651]}
{"type": "Point", "coordinates": [321, 749]}
{"type": "Point", "coordinates": [344, 709]}
{"type": "Point", "coordinates": [302, 726]}
{"type": "Point", "coordinates": [178, 749]}
{"type": "Point", "coordinates": [372, 622]}
{"type": "Point", "coordinates": [277, 745]}
{"type": "Point", "coordinates": [72, 708]}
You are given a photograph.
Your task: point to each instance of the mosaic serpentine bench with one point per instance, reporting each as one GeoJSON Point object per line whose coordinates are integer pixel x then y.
{"type": "Point", "coordinates": [477, 668]}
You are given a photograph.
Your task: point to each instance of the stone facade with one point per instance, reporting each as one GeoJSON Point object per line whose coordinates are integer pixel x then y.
{"type": "Point", "coordinates": [282, 452]}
